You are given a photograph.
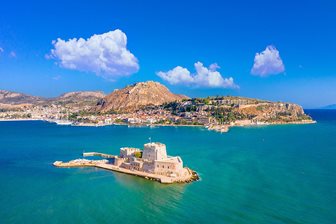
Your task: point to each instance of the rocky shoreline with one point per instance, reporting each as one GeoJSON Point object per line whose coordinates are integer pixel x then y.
{"type": "Point", "coordinates": [226, 128]}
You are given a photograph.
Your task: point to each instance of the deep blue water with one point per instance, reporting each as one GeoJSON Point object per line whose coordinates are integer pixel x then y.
{"type": "Point", "coordinates": [274, 174]}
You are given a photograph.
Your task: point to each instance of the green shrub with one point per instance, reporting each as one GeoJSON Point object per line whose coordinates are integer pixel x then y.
{"type": "Point", "coordinates": [138, 154]}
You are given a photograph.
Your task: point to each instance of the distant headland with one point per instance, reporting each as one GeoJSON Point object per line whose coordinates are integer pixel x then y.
{"type": "Point", "coordinates": [149, 103]}
{"type": "Point", "coordinates": [329, 107]}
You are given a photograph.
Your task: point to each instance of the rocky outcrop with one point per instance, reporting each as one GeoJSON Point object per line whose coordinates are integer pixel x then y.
{"type": "Point", "coordinates": [217, 113]}
{"type": "Point", "coordinates": [272, 112]}
{"type": "Point", "coordinates": [136, 96]}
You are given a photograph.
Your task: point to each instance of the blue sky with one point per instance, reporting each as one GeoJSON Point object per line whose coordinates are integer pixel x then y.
{"type": "Point", "coordinates": [162, 35]}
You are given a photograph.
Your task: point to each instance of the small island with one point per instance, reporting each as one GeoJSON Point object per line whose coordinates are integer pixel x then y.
{"type": "Point", "coordinates": [151, 163]}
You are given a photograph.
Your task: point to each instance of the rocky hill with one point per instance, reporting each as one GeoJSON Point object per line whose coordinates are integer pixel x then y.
{"type": "Point", "coordinates": [14, 98]}
{"type": "Point", "coordinates": [136, 96]}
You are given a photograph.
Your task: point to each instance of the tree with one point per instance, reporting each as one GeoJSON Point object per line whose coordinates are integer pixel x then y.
{"type": "Point", "coordinates": [207, 101]}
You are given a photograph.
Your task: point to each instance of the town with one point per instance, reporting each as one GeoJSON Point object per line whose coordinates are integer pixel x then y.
{"type": "Point", "coordinates": [215, 113]}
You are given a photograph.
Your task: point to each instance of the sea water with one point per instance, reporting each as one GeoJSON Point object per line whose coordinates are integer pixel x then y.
{"type": "Point", "coordinates": [266, 174]}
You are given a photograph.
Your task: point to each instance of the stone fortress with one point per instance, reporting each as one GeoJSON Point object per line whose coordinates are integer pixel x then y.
{"type": "Point", "coordinates": [151, 163]}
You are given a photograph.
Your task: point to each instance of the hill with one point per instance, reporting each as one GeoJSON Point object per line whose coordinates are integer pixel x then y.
{"type": "Point", "coordinates": [9, 99]}
{"type": "Point", "coordinates": [240, 110]}
{"type": "Point", "coordinates": [137, 96]}
{"type": "Point", "coordinates": [80, 98]}
{"type": "Point", "coordinates": [15, 98]}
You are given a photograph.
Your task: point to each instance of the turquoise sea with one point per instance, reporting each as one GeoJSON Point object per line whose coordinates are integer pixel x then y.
{"type": "Point", "coordinates": [273, 174]}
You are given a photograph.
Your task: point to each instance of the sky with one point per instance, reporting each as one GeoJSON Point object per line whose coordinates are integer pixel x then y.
{"type": "Point", "coordinates": [275, 50]}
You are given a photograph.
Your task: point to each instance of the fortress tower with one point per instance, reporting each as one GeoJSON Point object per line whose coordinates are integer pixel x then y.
{"type": "Point", "coordinates": [154, 151]}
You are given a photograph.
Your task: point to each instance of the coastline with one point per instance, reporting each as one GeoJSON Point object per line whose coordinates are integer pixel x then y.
{"type": "Point", "coordinates": [217, 128]}
{"type": "Point", "coordinates": [23, 119]}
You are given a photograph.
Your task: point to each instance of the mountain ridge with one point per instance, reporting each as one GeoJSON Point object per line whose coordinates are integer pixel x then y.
{"type": "Point", "coordinates": [17, 98]}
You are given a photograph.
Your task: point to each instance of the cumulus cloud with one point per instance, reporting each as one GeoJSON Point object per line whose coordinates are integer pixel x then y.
{"type": "Point", "coordinates": [105, 55]}
{"type": "Point", "coordinates": [268, 63]}
{"type": "Point", "coordinates": [203, 77]}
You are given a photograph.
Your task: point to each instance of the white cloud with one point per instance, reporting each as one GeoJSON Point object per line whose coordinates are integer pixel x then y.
{"type": "Point", "coordinates": [104, 54]}
{"type": "Point", "coordinates": [268, 63]}
{"type": "Point", "coordinates": [177, 75]}
{"type": "Point", "coordinates": [1, 50]}
{"type": "Point", "coordinates": [204, 77]}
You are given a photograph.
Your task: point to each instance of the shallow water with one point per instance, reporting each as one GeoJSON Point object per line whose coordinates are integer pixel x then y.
{"type": "Point", "coordinates": [273, 174]}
